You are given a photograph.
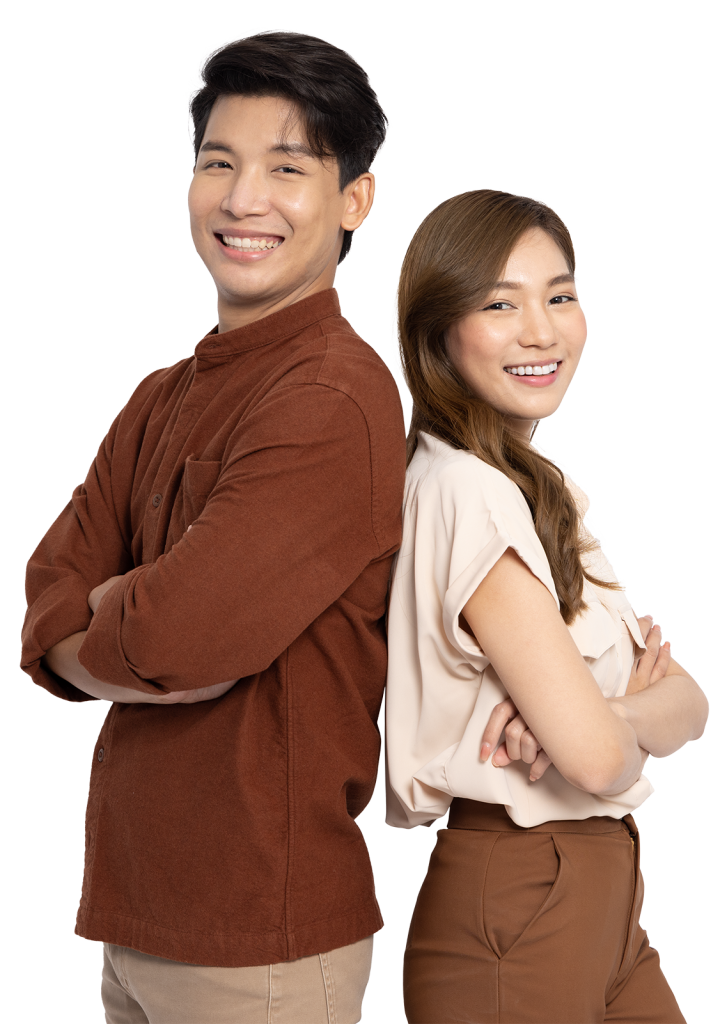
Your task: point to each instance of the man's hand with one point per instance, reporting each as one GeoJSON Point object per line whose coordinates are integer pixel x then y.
{"type": "Point", "coordinates": [94, 598]}
{"type": "Point", "coordinates": [62, 659]}
{"type": "Point", "coordinates": [191, 696]}
{"type": "Point", "coordinates": [520, 743]}
{"type": "Point", "coordinates": [654, 662]}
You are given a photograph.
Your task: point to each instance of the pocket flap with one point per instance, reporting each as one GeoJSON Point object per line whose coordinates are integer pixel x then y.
{"type": "Point", "coordinates": [197, 483]}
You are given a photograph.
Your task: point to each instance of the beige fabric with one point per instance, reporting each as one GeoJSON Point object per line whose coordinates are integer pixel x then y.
{"type": "Point", "coordinates": [323, 989]}
{"type": "Point", "coordinates": [460, 516]}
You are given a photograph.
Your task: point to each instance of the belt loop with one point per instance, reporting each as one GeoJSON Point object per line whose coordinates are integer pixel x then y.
{"type": "Point", "coordinates": [633, 830]}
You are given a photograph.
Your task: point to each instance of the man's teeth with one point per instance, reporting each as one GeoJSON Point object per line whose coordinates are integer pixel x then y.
{"type": "Point", "coordinates": [532, 371]}
{"type": "Point", "coordinates": [249, 243]}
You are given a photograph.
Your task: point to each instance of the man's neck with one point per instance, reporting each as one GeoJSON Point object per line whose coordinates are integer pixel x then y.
{"type": "Point", "coordinates": [236, 314]}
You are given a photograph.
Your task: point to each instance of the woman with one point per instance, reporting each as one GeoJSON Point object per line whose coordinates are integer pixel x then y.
{"type": "Point", "coordinates": [505, 614]}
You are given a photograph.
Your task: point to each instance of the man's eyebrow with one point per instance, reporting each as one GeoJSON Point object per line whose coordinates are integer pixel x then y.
{"type": "Point", "coordinates": [219, 146]}
{"type": "Point", "coordinates": [292, 149]}
{"type": "Point", "coordinates": [560, 279]}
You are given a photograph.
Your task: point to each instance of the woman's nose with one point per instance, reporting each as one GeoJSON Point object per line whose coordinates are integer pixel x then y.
{"type": "Point", "coordinates": [537, 329]}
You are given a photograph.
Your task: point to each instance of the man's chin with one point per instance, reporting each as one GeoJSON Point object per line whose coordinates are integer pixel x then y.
{"type": "Point", "coordinates": [254, 284]}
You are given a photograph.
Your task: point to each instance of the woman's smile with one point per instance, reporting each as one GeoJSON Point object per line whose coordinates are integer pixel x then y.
{"type": "Point", "coordinates": [535, 375]}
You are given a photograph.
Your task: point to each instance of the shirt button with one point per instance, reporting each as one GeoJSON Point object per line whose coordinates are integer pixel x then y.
{"type": "Point", "coordinates": [156, 500]}
{"type": "Point", "coordinates": [100, 753]}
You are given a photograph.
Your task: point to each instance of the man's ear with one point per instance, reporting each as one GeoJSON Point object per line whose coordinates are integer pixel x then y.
{"type": "Point", "coordinates": [360, 199]}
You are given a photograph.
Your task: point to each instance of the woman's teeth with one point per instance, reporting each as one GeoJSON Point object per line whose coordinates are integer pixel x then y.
{"type": "Point", "coordinates": [532, 371]}
{"type": "Point", "coordinates": [249, 243]}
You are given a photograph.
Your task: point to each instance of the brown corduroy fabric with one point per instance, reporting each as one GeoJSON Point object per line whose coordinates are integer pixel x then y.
{"type": "Point", "coordinates": [533, 926]}
{"type": "Point", "coordinates": [252, 495]}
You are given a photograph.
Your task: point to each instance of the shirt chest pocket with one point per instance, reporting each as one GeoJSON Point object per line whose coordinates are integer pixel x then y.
{"type": "Point", "coordinates": [198, 482]}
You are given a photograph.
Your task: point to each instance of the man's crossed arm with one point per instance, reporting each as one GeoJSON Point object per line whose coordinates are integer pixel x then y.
{"type": "Point", "coordinates": [62, 659]}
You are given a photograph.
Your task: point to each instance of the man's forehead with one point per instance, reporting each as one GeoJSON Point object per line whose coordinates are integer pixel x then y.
{"type": "Point", "coordinates": [269, 121]}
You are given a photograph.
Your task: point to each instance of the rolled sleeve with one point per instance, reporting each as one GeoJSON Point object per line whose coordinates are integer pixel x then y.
{"type": "Point", "coordinates": [83, 548]}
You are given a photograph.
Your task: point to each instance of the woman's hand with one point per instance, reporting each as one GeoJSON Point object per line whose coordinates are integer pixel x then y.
{"type": "Point", "coordinates": [654, 662]}
{"type": "Point", "coordinates": [520, 743]}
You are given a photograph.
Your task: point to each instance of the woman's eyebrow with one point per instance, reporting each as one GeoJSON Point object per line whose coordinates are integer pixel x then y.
{"type": "Point", "coordinates": [560, 279]}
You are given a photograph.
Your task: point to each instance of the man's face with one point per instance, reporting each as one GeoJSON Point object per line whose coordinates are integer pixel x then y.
{"type": "Point", "coordinates": [267, 216]}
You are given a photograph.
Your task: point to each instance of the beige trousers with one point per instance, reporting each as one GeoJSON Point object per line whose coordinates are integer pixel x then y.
{"type": "Point", "coordinates": [323, 989]}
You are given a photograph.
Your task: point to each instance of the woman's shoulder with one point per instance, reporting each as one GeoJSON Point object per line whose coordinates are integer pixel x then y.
{"type": "Point", "coordinates": [450, 476]}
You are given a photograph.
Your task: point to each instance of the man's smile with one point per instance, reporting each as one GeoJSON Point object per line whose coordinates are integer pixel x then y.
{"type": "Point", "coordinates": [247, 246]}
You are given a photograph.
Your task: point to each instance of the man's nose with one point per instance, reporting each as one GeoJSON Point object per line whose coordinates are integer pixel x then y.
{"type": "Point", "coordinates": [248, 195]}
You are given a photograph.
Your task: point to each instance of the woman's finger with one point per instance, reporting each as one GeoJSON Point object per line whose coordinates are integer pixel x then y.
{"type": "Point", "coordinates": [648, 658]}
{"type": "Point", "coordinates": [645, 623]}
{"type": "Point", "coordinates": [514, 732]}
{"type": "Point", "coordinates": [661, 664]}
{"type": "Point", "coordinates": [510, 750]}
{"type": "Point", "coordinates": [539, 766]}
{"type": "Point", "coordinates": [643, 668]}
{"type": "Point", "coordinates": [529, 747]}
{"type": "Point", "coordinates": [500, 758]}
{"type": "Point", "coordinates": [499, 717]}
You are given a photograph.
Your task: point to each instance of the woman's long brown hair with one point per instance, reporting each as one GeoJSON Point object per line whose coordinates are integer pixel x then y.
{"type": "Point", "coordinates": [453, 263]}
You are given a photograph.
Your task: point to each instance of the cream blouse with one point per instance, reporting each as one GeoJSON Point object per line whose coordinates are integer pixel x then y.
{"type": "Point", "coordinates": [460, 516]}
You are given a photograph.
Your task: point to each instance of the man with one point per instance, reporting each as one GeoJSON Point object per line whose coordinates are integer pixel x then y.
{"type": "Point", "coordinates": [221, 577]}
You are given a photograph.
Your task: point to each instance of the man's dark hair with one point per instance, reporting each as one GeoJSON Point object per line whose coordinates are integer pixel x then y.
{"type": "Point", "coordinates": [339, 110]}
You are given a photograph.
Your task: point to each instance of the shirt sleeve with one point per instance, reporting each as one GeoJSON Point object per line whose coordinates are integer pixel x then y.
{"type": "Point", "coordinates": [285, 530]}
{"type": "Point", "coordinates": [83, 548]}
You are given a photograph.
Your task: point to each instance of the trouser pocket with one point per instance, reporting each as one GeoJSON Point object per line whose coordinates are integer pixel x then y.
{"type": "Point", "coordinates": [521, 872]}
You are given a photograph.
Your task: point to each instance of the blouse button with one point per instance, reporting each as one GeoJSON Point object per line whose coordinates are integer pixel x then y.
{"type": "Point", "coordinates": [100, 753]}
{"type": "Point", "coordinates": [156, 500]}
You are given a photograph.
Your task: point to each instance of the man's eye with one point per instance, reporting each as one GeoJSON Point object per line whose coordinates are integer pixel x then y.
{"type": "Point", "coordinates": [560, 300]}
{"type": "Point", "coordinates": [289, 170]}
{"type": "Point", "coordinates": [218, 163]}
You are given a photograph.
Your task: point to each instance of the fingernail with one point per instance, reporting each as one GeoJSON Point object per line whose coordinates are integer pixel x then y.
{"type": "Point", "coordinates": [649, 617]}
{"type": "Point", "coordinates": [485, 751]}
{"type": "Point", "coordinates": [667, 645]}
{"type": "Point", "coordinates": [657, 629]}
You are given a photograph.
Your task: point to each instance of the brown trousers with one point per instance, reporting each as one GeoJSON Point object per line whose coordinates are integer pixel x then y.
{"type": "Point", "coordinates": [533, 926]}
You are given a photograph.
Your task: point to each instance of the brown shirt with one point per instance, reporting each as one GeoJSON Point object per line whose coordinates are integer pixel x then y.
{"type": "Point", "coordinates": [252, 496]}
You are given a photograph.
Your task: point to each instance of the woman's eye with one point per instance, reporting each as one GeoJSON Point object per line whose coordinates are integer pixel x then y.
{"type": "Point", "coordinates": [499, 305]}
{"type": "Point", "coordinates": [559, 300]}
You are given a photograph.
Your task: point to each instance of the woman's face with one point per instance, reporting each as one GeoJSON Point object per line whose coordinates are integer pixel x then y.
{"type": "Point", "coordinates": [520, 351]}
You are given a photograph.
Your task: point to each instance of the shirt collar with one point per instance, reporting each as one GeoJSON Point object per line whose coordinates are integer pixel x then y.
{"type": "Point", "coordinates": [270, 329]}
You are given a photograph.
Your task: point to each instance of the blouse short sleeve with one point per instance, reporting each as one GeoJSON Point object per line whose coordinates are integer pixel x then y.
{"type": "Point", "coordinates": [479, 513]}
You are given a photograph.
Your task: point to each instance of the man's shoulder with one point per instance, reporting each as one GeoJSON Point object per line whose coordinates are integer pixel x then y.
{"type": "Point", "coordinates": [348, 363]}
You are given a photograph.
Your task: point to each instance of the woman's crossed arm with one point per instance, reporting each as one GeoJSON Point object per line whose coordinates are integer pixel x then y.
{"type": "Point", "coordinates": [599, 746]}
